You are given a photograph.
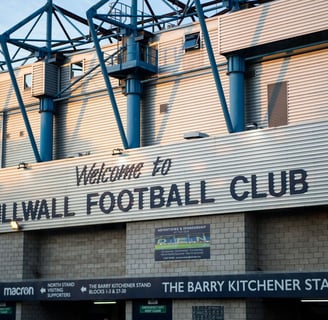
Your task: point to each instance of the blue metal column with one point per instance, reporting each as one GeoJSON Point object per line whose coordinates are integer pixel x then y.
{"type": "Point", "coordinates": [3, 138]}
{"type": "Point", "coordinates": [47, 103]}
{"type": "Point", "coordinates": [236, 71]}
{"type": "Point", "coordinates": [133, 84]}
{"type": "Point", "coordinates": [133, 91]}
{"type": "Point", "coordinates": [46, 128]}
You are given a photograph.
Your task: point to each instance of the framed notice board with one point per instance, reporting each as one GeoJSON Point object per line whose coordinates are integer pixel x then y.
{"type": "Point", "coordinates": [207, 313]}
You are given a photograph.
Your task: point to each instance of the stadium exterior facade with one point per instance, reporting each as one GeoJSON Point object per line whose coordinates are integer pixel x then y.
{"type": "Point", "coordinates": [196, 223]}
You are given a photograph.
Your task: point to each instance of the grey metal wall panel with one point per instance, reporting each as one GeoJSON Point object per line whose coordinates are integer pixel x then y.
{"type": "Point", "coordinates": [18, 147]}
{"type": "Point", "coordinates": [172, 56]}
{"type": "Point", "coordinates": [202, 171]}
{"type": "Point", "coordinates": [307, 76]}
{"type": "Point", "coordinates": [193, 105]}
{"type": "Point", "coordinates": [84, 120]}
{"type": "Point", "coordinates": [86, 125]}
{"type": "Point", "coordinates": [272, 21]}
{"type": "Point", "coordinates": [7, 94]}
{"type": "Point", "coordinates": [8, 99]}
{"type": "Point", "coordinates": [45, 79]}
{"type": "Point", "coordinates": [38, 86]}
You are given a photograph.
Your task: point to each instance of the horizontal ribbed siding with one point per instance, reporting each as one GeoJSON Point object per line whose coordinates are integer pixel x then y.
{"type": "Point", "coordinates": [7, 94]}
{"type": "Point", "coordinates": [8, 99]}
{"type": "Point", "coordinates": [214, 160]}
{"type": "Point", "coordinates": [90, 125]}
{"type": "Point", "coordinates": [174, 59]}
{"type": "Point", "coordinates": [93, 81]}
{"type": "Point", "coordinates": [193, 105]}
{"type": "Point", "coordinates": [17, 145]}
{"type": "Point", "coordinates": [84, 119]}
{"type": "Point", "coordinates": [306, 75]}
{"type": "Point", "coordinates": [272, 21]}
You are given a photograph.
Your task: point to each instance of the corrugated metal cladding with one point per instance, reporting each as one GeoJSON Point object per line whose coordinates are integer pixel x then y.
{"type": "Point", "coordinates": [306, 75]}
{"type": "Point", "coordinates": [86, 122]}
{"type": "Point", "coordinates": [272, 21]}
{"type": "Point", "coordinates": [45, 79]}
{"type": "Point", "coordinates": [195, 178]}
{"type": "Point", "coordinates": [186, 85]}
{"type": "Point", "coordinates": [84, 117]}
{"type": "Point", "coordinates": [174, 59]}
{"type": "Point", "coordinates": [93, 81]}
{"type": "Point", "coordinates": [193, 105]}
{"type": "Point", "coordinates": [8, 98]}
{"type": "Point", "coordinates": [86, 125]}
{"type": "Point", "coordinates": [17, 144]}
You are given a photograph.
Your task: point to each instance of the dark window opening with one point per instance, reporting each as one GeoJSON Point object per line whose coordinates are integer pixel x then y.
{"type": "Point", "coordinates": [27, 81]}
{"type": "Point", "coordinates": [77, 69]}
{"type": "Point", "coordinates": [192, 41]}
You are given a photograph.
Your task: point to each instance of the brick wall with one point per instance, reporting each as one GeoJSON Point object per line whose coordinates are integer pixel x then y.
{"type": "Point", "coordinates": [11, 256]}
{"type": "Point", "coordinates": [227, 247]}
{"type": "Point", "coordinates": [91, 253]}
{"type": "Point", "coordinates": [293, 241]}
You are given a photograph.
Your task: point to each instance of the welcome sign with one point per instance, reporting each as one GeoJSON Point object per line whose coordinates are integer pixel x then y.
{"type": "Point", "coordinates": [255, 170]}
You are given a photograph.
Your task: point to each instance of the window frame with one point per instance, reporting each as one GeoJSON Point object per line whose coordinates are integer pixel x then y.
{"type": "Point", "coordinates": [76, 69]}
{"type": "Point", "coordinates": [27, 81]}
{"type": "Point", "coordinates": [191, 41]}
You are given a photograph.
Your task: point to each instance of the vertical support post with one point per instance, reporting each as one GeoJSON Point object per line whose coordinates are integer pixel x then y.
{"type": "Point", "coordinates": [46, 128]}
{"type": "Point", "coordinates": [47, 103]}
{"type": "Point", "coordinates": [236, 71]}
{"type": "Point", "coordinates": [49, 28]}
{"type": "Point", "coordinates": [133, 92]}
{"type": "Point", "coordinates": [133, 84]}
{"type": "Point", "coordinates": [3, 138]}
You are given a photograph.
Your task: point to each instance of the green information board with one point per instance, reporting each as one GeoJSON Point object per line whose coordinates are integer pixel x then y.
{"type": "Point", "coordinates": [153, 309]}
{"type": "Point", "coordinates": [6, 310]}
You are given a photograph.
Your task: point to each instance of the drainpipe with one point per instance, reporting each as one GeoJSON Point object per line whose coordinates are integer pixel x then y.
{"type": "Point", "coordinates": [133, 84]}
{"type": "Point", "coordinates": [236, 71]}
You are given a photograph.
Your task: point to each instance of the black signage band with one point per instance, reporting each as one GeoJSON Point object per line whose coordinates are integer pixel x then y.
{"type": "Point", "coordinates": [257, 285]}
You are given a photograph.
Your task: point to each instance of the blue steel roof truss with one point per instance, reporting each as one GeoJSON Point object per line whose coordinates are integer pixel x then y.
{"type": "Point", "coordinates": [79, 33]}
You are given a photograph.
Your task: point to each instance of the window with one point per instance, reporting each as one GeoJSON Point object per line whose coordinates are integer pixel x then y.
{"type": "Point", "coordinates": [192, 42]}
{"type": "Point", "coordinates": [27, 81]}
{"type": "Point", "coordinates": [163, 108]}
{"type": "Point", "coordinates": [277, 104]}
{"type": "Point", "coordinates": [77, 69]}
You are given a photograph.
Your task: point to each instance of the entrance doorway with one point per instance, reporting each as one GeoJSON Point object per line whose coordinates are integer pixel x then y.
{"type": "Point", "coordinates": [290, 309]}
{"type": "Point", "coordinates": [84, 310]}
{"type": "Point", "coordinates": [7, 311]}
{"type": "Point", "coordinates": [315, 310]}
{"type": "Point", "coordinates": [152, 309]}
